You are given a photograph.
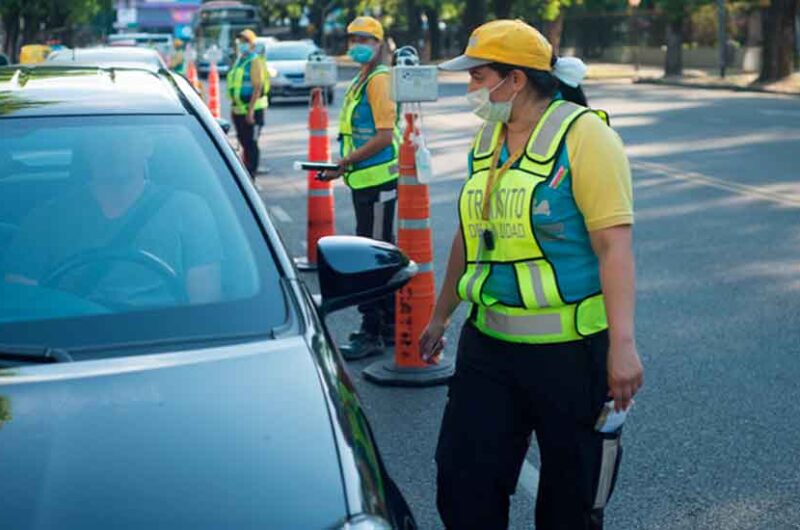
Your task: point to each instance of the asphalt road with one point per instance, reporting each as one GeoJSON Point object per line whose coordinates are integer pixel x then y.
{"type": "Point", "coordinates": [714, 439]}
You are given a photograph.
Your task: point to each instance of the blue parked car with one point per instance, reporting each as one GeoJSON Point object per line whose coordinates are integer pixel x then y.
{"type": "Point", "coordinates": [162, 365]}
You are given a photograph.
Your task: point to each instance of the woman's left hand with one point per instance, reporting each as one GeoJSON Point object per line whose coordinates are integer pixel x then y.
{"type": "Point", "coordinates": [333, 174]}
{"type": "Point", "coordinates": [625, 373]}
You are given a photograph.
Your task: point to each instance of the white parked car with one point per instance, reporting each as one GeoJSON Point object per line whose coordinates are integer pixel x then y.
{"type": "Point", "coordinates": [286, 61]}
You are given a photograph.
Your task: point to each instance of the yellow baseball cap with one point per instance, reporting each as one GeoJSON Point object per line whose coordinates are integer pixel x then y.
{"type": "Point", "coordinates": [249, 35]}
{"type": "Point", "coordinates": [366, 26]}
{"type": "Point", "coordinates": [511, 42]}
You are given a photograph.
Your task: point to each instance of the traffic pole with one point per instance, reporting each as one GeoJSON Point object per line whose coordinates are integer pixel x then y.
{"type": "Point", "coordinates": [320, 216]}
{"type": "Point", "coordinates": [415, 301]}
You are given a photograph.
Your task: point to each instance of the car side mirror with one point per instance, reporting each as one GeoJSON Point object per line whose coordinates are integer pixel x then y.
{"type": "Point", "coordinates": [353, 270]}
{"type": "Point", "coordinates": [224, 124]}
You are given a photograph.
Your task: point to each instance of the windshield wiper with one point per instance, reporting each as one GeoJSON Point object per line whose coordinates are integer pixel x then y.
{"type": "Point", "coordinates": [36, 354]}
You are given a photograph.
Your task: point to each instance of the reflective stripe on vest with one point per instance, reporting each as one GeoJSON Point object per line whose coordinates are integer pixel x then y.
{"type": "Point", "coordinates": [239, 83]}
{"type": "Point", "coordinates": [545, 317]}
{"type": "Point", "coordinates": [368, 174]}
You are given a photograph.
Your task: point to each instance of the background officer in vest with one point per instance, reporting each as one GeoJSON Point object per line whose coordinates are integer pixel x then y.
{"type": "Point", "coordinates": [543, 254]}
{"type": "Point", "coordinates": [368, 148]}
{"type": "Point", "coordinates": [248, 86]}
{"type": "Point", "coordinates": [177, 62]}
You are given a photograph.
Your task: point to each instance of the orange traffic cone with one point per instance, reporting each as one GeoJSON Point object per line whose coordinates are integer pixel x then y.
{"type": "Point", "coordinates": [191, 75]}
{"type": "Point", "coordinates": [320, 194]}
{"type": "Point", "coordinates": [415, 301]}
{"type": "Point", "coordinates": [213, 91]}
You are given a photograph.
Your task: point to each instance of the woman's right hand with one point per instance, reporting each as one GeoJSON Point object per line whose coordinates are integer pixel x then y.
{"type": "Point", "coordinates": [432, 341]}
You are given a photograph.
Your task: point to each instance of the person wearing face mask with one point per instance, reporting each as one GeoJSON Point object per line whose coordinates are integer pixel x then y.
{"type": "Point", "coordinates": [368, 140]}
{"type": "Point", "coordinates": [248, 86]}
{"type": "Point", "coordinates": [543, 255]}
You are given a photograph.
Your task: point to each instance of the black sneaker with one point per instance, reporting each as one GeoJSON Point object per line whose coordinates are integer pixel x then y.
{"type": "Point", "coordinates": [388, 337]}
{"type": "Point", "coordinates": [362, 346]}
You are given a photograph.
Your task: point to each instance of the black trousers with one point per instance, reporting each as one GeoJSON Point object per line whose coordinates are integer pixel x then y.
{"type": "Point", "coordinates": [375, 208]}
{"type": "Point", "coordinates": [248, 137]}
{"type": "Point", "coordinates": [499, 395]}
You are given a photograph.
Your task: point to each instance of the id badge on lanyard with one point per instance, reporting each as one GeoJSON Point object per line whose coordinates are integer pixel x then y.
{"type": "Point", "coordinates": [487, 238]}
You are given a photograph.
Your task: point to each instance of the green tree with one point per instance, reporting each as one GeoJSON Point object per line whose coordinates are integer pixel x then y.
{"type": "Point", "coordinates": [33, 20]}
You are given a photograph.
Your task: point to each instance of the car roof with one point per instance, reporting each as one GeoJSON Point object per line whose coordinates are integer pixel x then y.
{"type": "Point", "coordinates": [128, 36]}
{"type": "Point", "coordinates": [108, 56]}
{"type": "Point", "coordinates": [42, 90]}
{"type": "Point", "coordinates": [290, 43]}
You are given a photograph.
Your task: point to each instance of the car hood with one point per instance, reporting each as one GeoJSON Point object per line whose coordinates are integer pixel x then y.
{"type": "Point", "coordinates": [289, 67]}
{"type": "Point", "coordinates": [234, 437]}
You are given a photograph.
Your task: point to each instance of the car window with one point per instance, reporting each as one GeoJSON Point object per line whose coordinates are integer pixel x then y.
{"type": "Point", "coordinates": [121, 229]}
{"type": "Point", "coordinates": [291, 52]}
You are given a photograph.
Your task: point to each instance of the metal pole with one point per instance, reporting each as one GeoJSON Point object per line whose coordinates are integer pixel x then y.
{"type": "Point", "coordinates": [723, 37]}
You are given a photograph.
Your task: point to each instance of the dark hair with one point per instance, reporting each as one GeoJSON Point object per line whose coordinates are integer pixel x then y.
{"type": "Point", "coordinates": [573, 94]}
{"type": "Point", "coordinates": [544, 83]}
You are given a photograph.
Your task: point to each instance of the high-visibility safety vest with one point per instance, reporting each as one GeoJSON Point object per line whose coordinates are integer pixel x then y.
{"type": "Point", "coordinates": [179, 62]}
{"type": "Point", "coordinates": [240, 84]}
{"type": "Point", "coordinates": [544, 317]}
{"type": "Point", "coordinates": [356, 128]}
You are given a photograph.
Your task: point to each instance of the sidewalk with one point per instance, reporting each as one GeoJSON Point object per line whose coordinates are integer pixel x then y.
{"type": "Point", "coordinates": [693, 78]}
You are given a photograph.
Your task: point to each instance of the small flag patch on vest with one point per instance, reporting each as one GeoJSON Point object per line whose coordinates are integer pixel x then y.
{"type": "Point", "coordinates": [556, 182]}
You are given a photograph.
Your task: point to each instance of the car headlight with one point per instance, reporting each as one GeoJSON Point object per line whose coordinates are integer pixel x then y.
{"type": "Point", "coordinates": [366, 522]}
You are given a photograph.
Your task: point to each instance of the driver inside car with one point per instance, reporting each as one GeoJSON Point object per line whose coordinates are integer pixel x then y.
{"type": "Point", "coordinates": [116, 237]}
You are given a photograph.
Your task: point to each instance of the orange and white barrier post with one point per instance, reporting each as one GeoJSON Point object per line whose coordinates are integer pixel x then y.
{"type": "Point", "coordinates": [213, 90]}
{"type": "Point", "coordinates": [415, 301]}
{"type": "Point", "coordinates": [191, 75]}
{"type": "Point", "coordinates": [321, 218]}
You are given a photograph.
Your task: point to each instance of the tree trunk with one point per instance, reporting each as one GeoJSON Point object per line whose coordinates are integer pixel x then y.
{"type": "Point", "coordinates": [294, 25]}
{"type": "Point", "coordinates": [435, 34]}
{"type": "Point", "coordinates": [502, 8]}
{"type": "Point", "coordinates": [414, 25]}
{"type": "Point", "coordinates": [779, 40]}
{"type": "Point", "coordinates": [474, 16]}
{"type": "Point", "coordinates": [553, 31]}
{"type": "Point", "coordinates": [11, 25]}
{"type": "Point", "coordinates": [316, 17]}
{"type": "Point", "coordinates": [674, 59]}
{"type": "Point", "coordinates": [351, 10]}
{"type": "Point", "coordinates": [30, 32]}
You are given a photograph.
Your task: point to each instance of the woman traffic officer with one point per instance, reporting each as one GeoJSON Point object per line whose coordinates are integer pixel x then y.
{"type": "Point", "coordinates": [369, 148]}
{"type": "Point", "coordinates": [543, 254]}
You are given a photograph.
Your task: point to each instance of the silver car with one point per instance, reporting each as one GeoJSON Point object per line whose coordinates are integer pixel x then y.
{"type": "Point", "coordinates": [286, 62]}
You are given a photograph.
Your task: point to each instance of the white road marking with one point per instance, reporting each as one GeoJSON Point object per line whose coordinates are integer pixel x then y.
{"type": "Point", "coordinates": [529, 478]}
{"type": "Point", "coordinates": [699, 178]}
{"type": "Point", "coordinates": [780, 113]}
{"type": "Point", "coordinates": [280, 214]}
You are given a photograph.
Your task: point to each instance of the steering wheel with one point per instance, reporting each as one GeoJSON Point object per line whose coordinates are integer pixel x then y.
{"type": "Point", "coordinates": [147, 260]}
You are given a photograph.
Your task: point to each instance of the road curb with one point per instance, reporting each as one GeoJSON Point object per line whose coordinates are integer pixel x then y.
{"type": "Point", "coordinates": [731, 87]}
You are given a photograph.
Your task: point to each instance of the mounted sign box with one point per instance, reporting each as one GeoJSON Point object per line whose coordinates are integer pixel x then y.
{"type": "Point", "coordinates": [414, 84]}
{"type": "Point", "coordinates": [321, 73]}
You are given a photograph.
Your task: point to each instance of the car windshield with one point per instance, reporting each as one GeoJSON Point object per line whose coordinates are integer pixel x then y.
{"type": "Point", "coordinates": [290, 52]}
{"type": "Point", "coordinates": [127, 229]}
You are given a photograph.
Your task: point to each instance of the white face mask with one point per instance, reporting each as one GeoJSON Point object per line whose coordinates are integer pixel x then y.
{"type": "Point", "coordinates": [488, 110]}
